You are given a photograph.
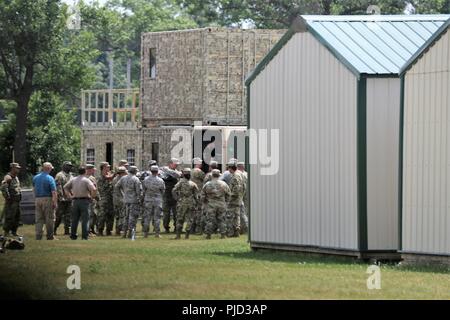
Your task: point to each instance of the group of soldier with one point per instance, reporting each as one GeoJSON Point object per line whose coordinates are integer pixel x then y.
{"type": "Point", "coordinates": [198, 202]}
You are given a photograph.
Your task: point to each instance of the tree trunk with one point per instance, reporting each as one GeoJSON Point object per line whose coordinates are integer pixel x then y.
{"type": "Point", "coordinates": [111, 70]}
{"type": "Point", "coordinates": [20, 142]}
{"type": "Point", "coordinates": [129, 73]}
{"type": "Point", "coordinates": [326, 7]}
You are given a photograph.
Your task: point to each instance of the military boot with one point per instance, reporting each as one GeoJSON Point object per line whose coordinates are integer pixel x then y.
{"type": "Point", "coordinates": [124, 236]}
{"type": "Point", "coordinates": [117, 232]}
{"type": "Point", "coordinates": [66, 231]}
{"type": "Point", "coordinates": [186, 236]}
{"type": "Point", "coordinates": [178, 236]}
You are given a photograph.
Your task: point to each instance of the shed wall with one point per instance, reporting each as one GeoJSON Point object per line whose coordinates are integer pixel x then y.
{"type": "Point", "coordinates": [310, 97]}
{"type": "Point", "coordinates": [383, 119]}
{"type": "Point", "coordinates": [426, 150]}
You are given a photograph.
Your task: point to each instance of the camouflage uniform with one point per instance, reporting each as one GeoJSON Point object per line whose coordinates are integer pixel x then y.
{"type": "Point", "coordinates": [186, 193]}
{"type": "Point", "coordinates": [12, 193]}
{"type": "Point", "coordinates": [197, 176]}
{"type": "Point", "coordinates": [93, 207]}
{"type": "Point", "coordinates": [171, 178]}
{"type": "Point", "coordinates": [153, 189]}
{"type": "Point", "coordinates": [215, 195]}
{"type": "Point", "coordinates": [105, 205]}
{"type": "Point", "coordinates": [243, 211]}
{"type": "Point", "coordinates": [234, 205]}
{"type": "Point", "coordinates": [119, 208]}
{"type": "Point", "coordinates": [131, 187]}
{"type": "Point", "coordinates": [208, 178]}
{"type": "Point", "coordinates": [63, 211]}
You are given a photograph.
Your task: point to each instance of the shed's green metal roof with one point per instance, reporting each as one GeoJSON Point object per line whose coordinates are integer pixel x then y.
{"type": "Point", "coordinates": [372, 44]}
{"type": "Point", "coordinates": [426, 46]}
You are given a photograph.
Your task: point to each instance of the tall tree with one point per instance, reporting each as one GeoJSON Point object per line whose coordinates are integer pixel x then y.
{"type": "Point", "coordinates": [281, 13]}
{"type": "Point", "coordinates": [34, 56]}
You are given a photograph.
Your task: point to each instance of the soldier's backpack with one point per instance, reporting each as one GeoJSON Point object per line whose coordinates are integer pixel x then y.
{"type": "Point", "coordinates": [15, 244]}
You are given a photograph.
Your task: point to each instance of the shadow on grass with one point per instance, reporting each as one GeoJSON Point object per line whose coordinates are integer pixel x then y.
{"type": "Point", "coordinates": [9, 291]}
{"type": "Point", "coordinates": [290, 257]}
{"type": "Point", "coordinates": [317, 259]}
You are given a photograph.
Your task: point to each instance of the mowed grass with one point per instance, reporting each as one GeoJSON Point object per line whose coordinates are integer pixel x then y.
{"type": "Point", "coordinates": [115, 268]}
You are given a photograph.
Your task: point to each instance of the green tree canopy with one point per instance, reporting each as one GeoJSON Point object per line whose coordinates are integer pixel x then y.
{"type": "Point", "coordinates": [38, 53]}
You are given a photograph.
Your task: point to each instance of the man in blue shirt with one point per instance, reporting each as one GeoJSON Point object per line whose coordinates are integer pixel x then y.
{"type": "Point", "coordinates": [46, 201]}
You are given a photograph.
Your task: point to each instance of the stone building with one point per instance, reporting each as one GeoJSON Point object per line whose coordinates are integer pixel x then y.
{"type": "Point", "coordinates": [188, 77]}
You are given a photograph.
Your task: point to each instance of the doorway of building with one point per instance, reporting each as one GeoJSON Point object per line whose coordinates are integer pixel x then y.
{"type": "Point", "coordinates": [109, 153]}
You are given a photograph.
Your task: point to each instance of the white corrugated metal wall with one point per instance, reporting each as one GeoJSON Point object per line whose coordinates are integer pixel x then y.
{"type": "Point", "coordinates": [383, 119]}
{"type": "Point", "coordinates": [308, 95]}
{"type": "Point", "coordinates": [426, 153]}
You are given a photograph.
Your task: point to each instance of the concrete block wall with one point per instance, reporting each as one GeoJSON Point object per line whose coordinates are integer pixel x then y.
{"type": "Point", "coordinates": [200, 74]}
{"type": "Point", "coordinates": [122, 140]}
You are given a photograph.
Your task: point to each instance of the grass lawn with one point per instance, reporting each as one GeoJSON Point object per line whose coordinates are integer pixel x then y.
{"type": "Point", "coordinates": [115, 268]}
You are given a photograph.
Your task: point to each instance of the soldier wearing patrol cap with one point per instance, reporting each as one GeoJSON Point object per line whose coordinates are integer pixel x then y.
{"type": "Point", "coordinates": [63, 211]}
{"type": "Point", "coordinates": [12, 193]}
{"type": "Point", "coordinates": [244, 205]}
{"type": "Point", "coordinates": [148, 173]}
{"type": "Point", "coordinates": [93, 206]}
{"type": "Point", "coordinates": [215, 195]}
{"type": "Point", "coordinates": [124, 163]}
{"type": "Point", "coordinates": [237, 188]}
{"type": "Point", "coordinates": [187, 195]}
{"type": "Point", "coordinates": [119, 208]}
{"type": "Point", "coordinates": [153, 189]}
{"type": "Point", "coordinates": [212, 165]}
{"type": "Point", "coordinates": [132, 189]}
{"type": "Point", "coordinates": [105, 205]}
{"type": "Point", "coordinates": [197, 176]}
{"type": "Point", "coordinates": [171, 176]}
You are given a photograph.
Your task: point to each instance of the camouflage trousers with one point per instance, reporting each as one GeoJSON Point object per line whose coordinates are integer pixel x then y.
{"type": "Point", "coordinates": [233, 220]}
{"type": "Point", "coordinates": [169, 208]}
{"type": "Point", "coordinates": [151, 214]}
{"type": "Point", "coordinates": [215, 219]}
{"type": "Point", "coordinates": [244, 219]}
{"type": "Point", "coordinates": [63, 214]}
{"type": "Point", "coordinates": [199, 220]}
{"type": "Point", "coordinates": [11, 213]}
{"type": "Point", "coordinates": [93, 207]}
{"type": "Point", "coordinates": [119, 209]}
{"type": "Point", "coordinates": [105, 216]}
{"type": "Point", "coordinates": [131, 216]}
{"type": "Point", "coordinates": [185, 213]}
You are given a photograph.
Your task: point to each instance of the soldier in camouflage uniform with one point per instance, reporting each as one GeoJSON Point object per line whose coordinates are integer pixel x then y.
{"type": "Point", "coordinates": [171, 176]}
{"type": "Point", "coordinates": [186, 193]}
{"type": "Point", "coordinates": [132, 188]}
{"type": "Point", "coordinates": [63, 211]}
{"type": "Point", "coordinates": [197, 176]}
{"type": "Point", "coordinates": [153, 189]}
{"type": "Point", "coordinates": [208, 177]}
{"type": "Point", "coordinates": [243, 216]}
{"type": "Point", "coordinates": [234, 205]}
{"type": "Point", "coordinates": [93, 207]}
{"type": "Point", "coordinates": [215, 195]}
{"type": "Point", "coordinates": [105, 188]}
{"type": "Point", "coordinates": [148, 173]}
{"type": "Point", "coordinates": [119, 208]}
{"type": "Point", "coordinates": [12, 193]}
{"type": "Point", "coordinates": [226, 175]}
